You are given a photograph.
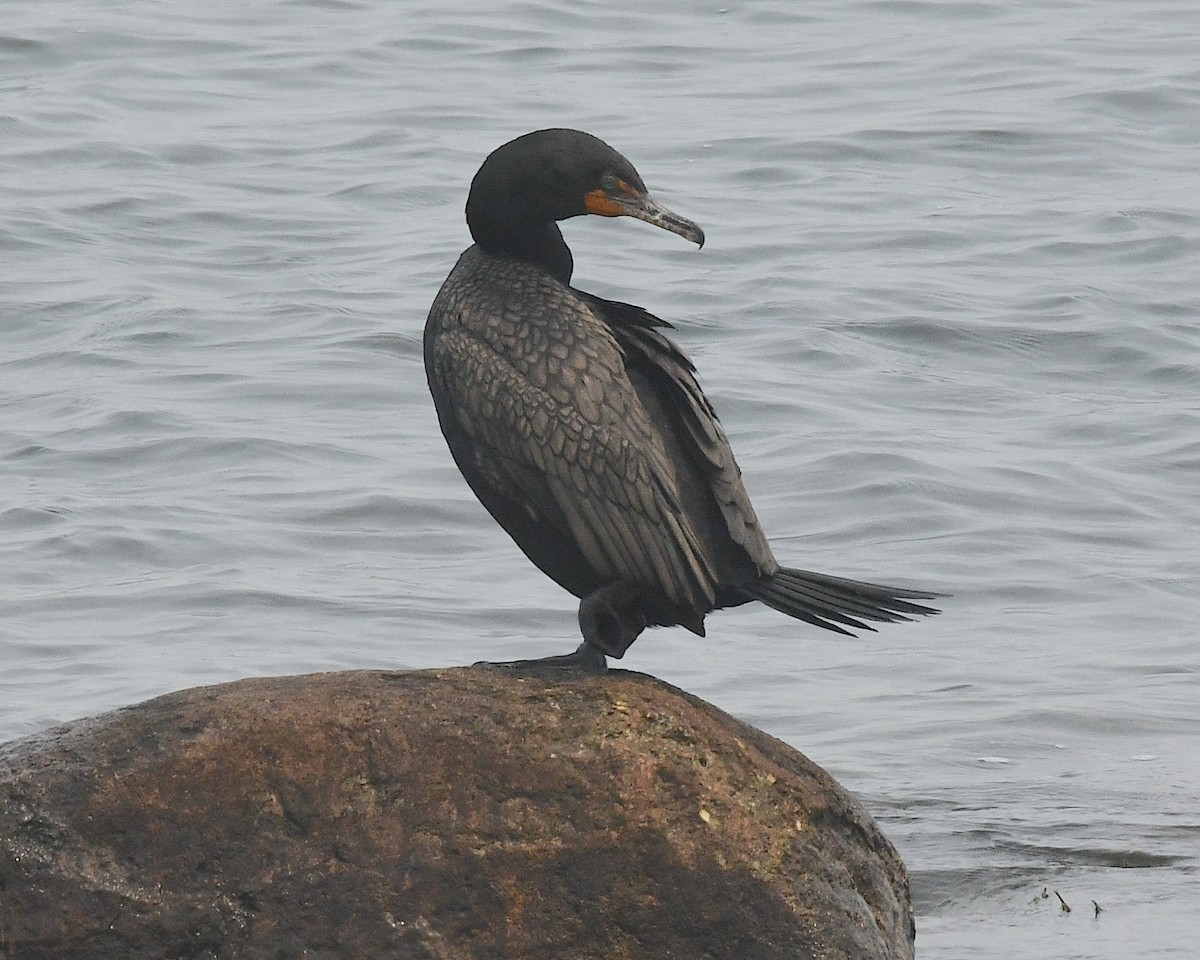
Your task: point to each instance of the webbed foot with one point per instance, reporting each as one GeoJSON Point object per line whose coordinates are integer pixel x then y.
{"type": "Point", "coordinates": [586, 659]}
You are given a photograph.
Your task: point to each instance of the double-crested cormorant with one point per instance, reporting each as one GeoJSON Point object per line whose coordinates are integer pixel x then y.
{"type": "Point", "coordinates": [582, 428]}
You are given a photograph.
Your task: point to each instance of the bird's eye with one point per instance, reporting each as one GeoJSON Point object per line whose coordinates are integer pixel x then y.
{"type": "Point", "coordinates": [609, 182]}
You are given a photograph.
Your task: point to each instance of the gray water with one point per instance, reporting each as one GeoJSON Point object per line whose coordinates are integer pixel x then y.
{"type": "Point", "coordinates": [948, 312]}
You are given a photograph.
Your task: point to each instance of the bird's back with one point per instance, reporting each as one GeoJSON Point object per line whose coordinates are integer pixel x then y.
{"type": "Point", "coordinates": [582, 430]}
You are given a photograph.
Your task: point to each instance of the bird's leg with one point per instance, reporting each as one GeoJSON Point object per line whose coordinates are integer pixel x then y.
{"type": "Point", "coordinates": [610, 618]}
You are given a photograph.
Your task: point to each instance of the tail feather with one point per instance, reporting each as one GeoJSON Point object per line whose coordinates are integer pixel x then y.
{"type": "Point", "coordinates": [826, 601]}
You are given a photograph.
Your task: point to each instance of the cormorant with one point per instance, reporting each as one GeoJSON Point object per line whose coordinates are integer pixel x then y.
{"type": "Point", "coordinates": [582, 428]}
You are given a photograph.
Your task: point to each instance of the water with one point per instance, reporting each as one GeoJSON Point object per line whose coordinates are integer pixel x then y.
{"type": "Point", "coordinates": [947, 310]}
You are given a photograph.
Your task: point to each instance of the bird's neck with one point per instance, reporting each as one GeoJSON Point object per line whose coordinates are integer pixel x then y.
{"type": "Point", "coordinates": [542, 246]}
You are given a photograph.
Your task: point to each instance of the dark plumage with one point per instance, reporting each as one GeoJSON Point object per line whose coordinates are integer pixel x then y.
{"type": "Point", "coordinates": [582, 429]}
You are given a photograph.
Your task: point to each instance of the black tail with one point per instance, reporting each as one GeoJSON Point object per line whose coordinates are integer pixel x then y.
{"type": "Point", "coordinates": [827, 601]}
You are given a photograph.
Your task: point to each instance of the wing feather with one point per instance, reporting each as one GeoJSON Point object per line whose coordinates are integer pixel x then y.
{"type": "Point", "coordinates": [577, 432]}
{"type": "Point", "coordinates": [639, 333]}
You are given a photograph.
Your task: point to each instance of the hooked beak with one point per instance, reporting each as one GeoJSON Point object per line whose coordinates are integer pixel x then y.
{"type": "Point", "coordinates": [643, 207]}
{"type": "Point", "coordinates": [646, 208]}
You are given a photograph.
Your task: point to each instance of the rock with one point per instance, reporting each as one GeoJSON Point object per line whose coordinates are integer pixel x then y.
{"type": "Point", "coordinates": [462, 813]}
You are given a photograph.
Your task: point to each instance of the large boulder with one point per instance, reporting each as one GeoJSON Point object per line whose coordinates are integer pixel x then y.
{"type": "Point", "coordinates": [461, 813]}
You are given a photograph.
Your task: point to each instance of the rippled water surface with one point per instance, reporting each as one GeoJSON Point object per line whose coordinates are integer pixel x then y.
{"type": "Point", "coordinates": [948, 312]}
